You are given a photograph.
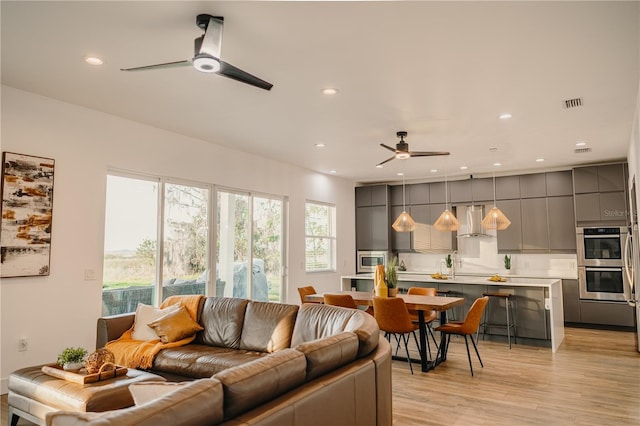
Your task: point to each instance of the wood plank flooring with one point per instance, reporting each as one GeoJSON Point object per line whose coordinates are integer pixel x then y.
{"type": "Point", "coordinates": [594, 379]}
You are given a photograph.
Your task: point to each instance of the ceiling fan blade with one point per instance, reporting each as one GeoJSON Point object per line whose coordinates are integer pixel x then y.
{"type": "Point", "coordinates": [212, 40]}
{"type": "Point", "coordinates": [228, 70]}
{"type": "Point", "coordinates": [177, 64]}
{"type": "Point", "coordinates": [388, 147]}
{"type": "Point", "coordinates": [427, 153]}
{"type": "Point", "coordinates": [386, 161]}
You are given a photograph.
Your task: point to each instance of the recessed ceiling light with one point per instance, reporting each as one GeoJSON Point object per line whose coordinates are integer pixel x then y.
{"type": "Point", "coordinates": [581, 143]}
{"type": "Point", "coordinates": [434, 170]}
{"type": "Point", "coordinates": [505, 116]}
{"type": "Point", "coordinates": [463, 167]}
{"type": "Point", "coordinates": [320, 145]}
{"type": "Point", "coordinates": [539, 160]}
{"type": "Point", "coordinates": [92, 60]}
{"type": "Point", "coordinates": [497, 164]}
{"type": "Point", "coordinates": [400, 174]}
{"type": "Point", "coordinates": [333, 172]}
{"type": "Point", "coordinates": [329, 91]}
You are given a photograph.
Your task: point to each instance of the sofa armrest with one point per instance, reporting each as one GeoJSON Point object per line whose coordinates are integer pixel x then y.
{"type": "Point", "coordinates": [112, 327]}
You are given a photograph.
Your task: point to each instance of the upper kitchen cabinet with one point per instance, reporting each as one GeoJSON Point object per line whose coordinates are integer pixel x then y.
{"type": "Point", "coordinates": [400, 241]}
{"type": "Point", "coordinates": [418, 193]}
{"type": "Point", "coordinates": [372, 217]}
{"type": "Point", "coordinates": [396, 195]}
{"type": "Point", "coordinates": [535, 232]}
{"type": "Point", "coordinates": [508, 187]}
{"type": "Point", "coordinates": [437, 193]}
{"type": "Point", "coordinates": [461, 191]}
{"type": "Point", "coordinates": [533, 186]}
{"type": "Point", "coordinates": [441, 241]}
{"type": "Point", "coordinates": [606, 178]}
{"type": "Point", "coordinates": [510, 239]}
{"type": "Point", "coordinates": [562, 232]}
{"type": "Point", "coordinates": [482, 190]}
{"type": "Point", "coordinates": [559, 183]}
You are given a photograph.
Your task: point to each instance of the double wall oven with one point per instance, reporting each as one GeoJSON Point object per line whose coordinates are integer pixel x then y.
{"type": "Point", "coordinates": [601, 271]}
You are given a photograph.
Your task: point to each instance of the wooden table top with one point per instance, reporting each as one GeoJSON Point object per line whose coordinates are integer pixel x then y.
{"type": "Point", "coordinates": [418, 303]}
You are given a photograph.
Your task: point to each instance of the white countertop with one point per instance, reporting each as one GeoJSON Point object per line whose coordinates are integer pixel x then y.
{"type": "Point", "coordinates": [467, 279]}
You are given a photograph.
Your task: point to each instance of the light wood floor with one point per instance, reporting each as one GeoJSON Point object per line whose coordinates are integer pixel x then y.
{"type": "Point", "coordinates": [594, 379]}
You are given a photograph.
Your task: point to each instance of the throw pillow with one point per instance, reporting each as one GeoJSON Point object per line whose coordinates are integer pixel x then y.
{"type": "Point", "coordinates": [144, 315]}
{"type": "Point", "coordinates": [175, 326]}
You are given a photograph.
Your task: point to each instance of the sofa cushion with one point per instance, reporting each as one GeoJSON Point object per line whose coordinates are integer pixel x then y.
{"type": "Point", "coordinates": [249, 385]}
{"type": "Point", "coordinates": [268, 326]}
{"type": "Point", "coordinates": [146, 314]}
{"type": "Point", "coordinates": [200, 361]}
{"type": "Point", "coordinates": [222, 319]}
{"type": "Point", "coordinates": [327, 354]}
{"type": "Point", "coordinates": [316, 321]}
{"type": "Point", "coordinates": [174, 326]}
{"type": "Point", "coordinates": [189, 404]}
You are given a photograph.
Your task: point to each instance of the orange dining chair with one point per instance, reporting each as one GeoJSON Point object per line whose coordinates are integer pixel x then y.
{"type": "Point", "coordinates": [306, 291]}
{"type": "Point", "coordinates": [344, 300]}
{"type": "Point", "coordinates": [467, 329]}
{"type": "Point", "coordinates": [393, 318]}
{"type": "Point", "coordinates": [429, 316]}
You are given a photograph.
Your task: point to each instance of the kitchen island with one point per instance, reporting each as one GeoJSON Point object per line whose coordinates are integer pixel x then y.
{"type": "Point", "coordinates": [539, 318]}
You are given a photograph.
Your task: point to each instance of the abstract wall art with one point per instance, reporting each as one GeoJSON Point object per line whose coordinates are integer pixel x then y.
{"type": "Point", "coordinates": [27, 211]}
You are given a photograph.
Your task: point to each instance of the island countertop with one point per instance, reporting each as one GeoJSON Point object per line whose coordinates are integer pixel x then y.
{"type": "Point", "coordinates": [466, 279]}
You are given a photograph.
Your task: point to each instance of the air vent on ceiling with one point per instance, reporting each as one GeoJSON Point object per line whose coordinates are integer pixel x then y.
{"type": "Point", "coordinates": [572, 103]}
{"type": "Point", "coordinates": [581, 150]}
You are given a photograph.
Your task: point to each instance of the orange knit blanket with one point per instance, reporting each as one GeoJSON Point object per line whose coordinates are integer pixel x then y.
{"type": "Point", "coordinates": [140, 354]}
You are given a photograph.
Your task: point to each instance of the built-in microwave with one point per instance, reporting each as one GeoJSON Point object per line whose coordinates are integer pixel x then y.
{"type": "Point", "coordinates": [369, 260]}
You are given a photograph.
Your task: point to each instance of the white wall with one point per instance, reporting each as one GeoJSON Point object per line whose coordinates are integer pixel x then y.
{"type": "Point", "coordinates": [61, 310]}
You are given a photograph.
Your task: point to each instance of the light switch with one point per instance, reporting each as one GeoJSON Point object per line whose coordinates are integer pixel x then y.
{"type": "Point", "coordinates": [89, 274]}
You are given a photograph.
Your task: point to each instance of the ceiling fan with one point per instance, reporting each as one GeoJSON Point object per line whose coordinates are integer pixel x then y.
{"type": "Point", "coordinates": [207, 55]}
{"type": "Point", "coordinates": [402, 150]}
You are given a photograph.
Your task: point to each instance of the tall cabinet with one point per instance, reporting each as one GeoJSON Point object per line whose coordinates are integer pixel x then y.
{"type": "Point", "coordinates": [372, 217]}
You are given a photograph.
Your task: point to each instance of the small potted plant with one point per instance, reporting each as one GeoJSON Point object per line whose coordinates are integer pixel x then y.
{"type": "Point", "coordinates": [72, 359]}
{"type": "Point", "coordinates": [448, 262]}
{"type": "Point", "coordinates": [391, 277]}
{"type": "Point", "coordinates": [507, 263]}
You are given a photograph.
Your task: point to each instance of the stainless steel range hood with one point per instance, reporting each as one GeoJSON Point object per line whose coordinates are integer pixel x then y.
{"type": "Point", "coordinates": [470, 218]}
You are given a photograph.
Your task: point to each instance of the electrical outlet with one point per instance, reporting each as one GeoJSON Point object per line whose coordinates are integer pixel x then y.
{"type": "Point", "coordinates": [23, 344]}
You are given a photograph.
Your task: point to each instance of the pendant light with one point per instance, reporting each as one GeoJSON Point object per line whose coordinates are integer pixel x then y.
{"type": "Point", "coordinates": [447, 220]}
{"type": "Point", "coordinates": [495, 219]}
{"type": "Point", "coordinates": [404, 222]}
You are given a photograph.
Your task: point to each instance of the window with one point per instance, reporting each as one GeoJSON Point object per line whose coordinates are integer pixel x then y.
{"type": "Point", "coordinates": [320, 240]}
{"type": "Point", "coordinates": [156, 231]}
{"type": "Point", "coordinates": [250, 231]}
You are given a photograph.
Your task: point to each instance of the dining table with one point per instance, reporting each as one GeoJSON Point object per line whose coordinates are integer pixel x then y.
{"type": "Point", "coordinates": [420, 304]}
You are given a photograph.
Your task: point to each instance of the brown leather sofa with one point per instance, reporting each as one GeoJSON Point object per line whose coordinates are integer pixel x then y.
{"type": "Point", "coordinates": [258, 363]}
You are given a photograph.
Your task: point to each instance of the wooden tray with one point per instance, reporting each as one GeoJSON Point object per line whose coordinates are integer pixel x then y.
{"type": "Point", "coordinates": [83, 377]}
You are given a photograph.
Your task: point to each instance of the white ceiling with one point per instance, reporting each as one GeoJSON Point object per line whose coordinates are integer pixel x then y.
{"type": "Point", "coordinates": [443, 71]}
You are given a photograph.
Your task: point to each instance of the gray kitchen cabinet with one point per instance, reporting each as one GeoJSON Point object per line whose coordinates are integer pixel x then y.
{"type": "Point", "coordinates": [533, 186]}
{"type": "Point", "coordinates": [372, 217]}
{"type": "Point", "coordinates": [611, 177]}
{"type": "Point", "coordinates": [531, 317]}
{"type": "Point", "coordinates": [395, 195]}
{"type": "Point", "coordinates": [562, 231]}
{"type": "Point", "coordinates": [418, 193]}
{"type": "Point", "coordinates": [421, 214]}
{"type": "Point", "coordinates": [585, 179]}
{"type": "Point", "coordinates": [437, 192]}
{"type": "Point", "coordinates": [535, 232]}
{"type": "Point", "coordinates": [587, 207]}
{"type": "Point", "coordinates": [613, 206]}
{"type": "Point", "coordinates": [507, 187]}
{"type": "Point", "coordinates": [571, 300]}
{"type": "Point", "coordinates": [460, 191]}
{"type": "Point", "coordinates": [379, 195]}
{"type": "Point", "coordinates": [510, 240]}
{"type": "Point", "coordinates": [482, 190]}
{"type": "Point", "coordinates": [400, 241]}
{"type": "Point", "coordinates": [606, 313]}
{"type": "Point", "coordinates": [363, 196]}
{"type": "Point", "coordinates": [559, 183]}
{"type": "Point", "coordinates": [363, 228]}
{"type": "Point", "coordinates": [380, 228]}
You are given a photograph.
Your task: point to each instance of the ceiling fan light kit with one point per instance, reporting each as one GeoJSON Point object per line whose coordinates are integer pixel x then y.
{"type": "Point", "coordinates": [401, 151]}
{"type": "Point", "coordinates": [205, 63]}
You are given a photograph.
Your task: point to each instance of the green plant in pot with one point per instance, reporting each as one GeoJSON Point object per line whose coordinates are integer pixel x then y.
{"type": "Point", "coordinates": [507, 262]}
{"type": "Point", "coordinates": [72, 359]}
{"type": "Point", "coordinates": [391, 277]}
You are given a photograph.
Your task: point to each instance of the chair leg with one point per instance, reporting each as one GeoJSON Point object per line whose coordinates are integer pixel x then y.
{"type": "Point", "coordinates": [397, 343]}
{"type": "Point", "coordinates": [415, 339]}
{"type": "Point", "coordinates": [466, 343]}
{"type": "Point", "coordinates": [405, 339]}
{"type": "Point", "coordinates": [477, 353]}
{"type": "Point", "coordinates": [508, 322]}
{"type": "Point", "coordinates": [433, 336]}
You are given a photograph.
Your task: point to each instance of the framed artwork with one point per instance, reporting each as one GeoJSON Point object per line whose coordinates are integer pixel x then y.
{"type": "Point", "coordinates": [27, 211]}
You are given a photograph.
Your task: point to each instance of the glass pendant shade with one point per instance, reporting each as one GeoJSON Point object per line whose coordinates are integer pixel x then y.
{"type": "Point", "coordinates": [495, 219]}
{"type": "Point", "coordinates": [447, 222]}
{"type": "Point", "coordinates": [404, 223]}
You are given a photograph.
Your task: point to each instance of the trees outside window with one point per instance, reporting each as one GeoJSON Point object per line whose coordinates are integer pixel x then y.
{"type": "Point", "coordinates": [320, 239]}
